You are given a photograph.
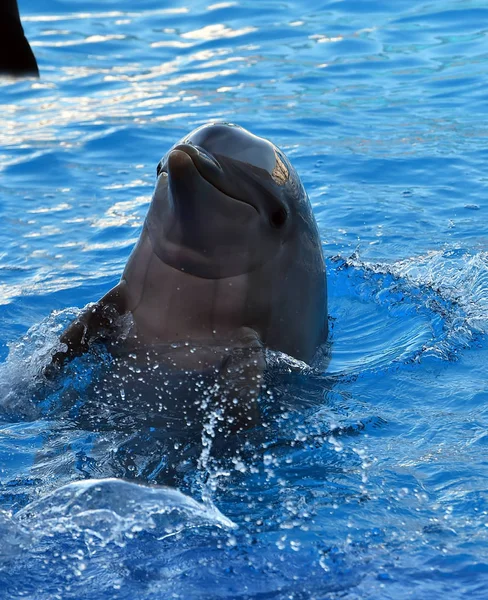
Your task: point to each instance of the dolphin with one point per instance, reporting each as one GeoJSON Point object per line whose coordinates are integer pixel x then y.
{"type": "Point", "coordinates": [229, 256]}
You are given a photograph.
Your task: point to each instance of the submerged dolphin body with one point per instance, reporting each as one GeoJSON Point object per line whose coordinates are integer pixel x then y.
{"type": "Point", "coordinates": [229, 261]}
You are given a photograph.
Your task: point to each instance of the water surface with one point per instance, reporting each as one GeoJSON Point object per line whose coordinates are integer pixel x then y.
{"type": "Point", "coordinates": [371, 481]}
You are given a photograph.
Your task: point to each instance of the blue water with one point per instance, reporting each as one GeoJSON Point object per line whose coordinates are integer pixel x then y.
{"type": "Point", "coordinates": [371, 479]}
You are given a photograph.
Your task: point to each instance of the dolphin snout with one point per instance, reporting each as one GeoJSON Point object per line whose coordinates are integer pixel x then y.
{"type": "Point", "coordinates": [206, 164]}
{"type": "Point", "coordinates": [200, 157]}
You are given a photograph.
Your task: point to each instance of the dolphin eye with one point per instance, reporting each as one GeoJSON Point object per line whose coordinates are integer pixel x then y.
{"type": "Point", "coordinates": [278, 218]}
{"type": "Point", "coordinates": [158, 169]}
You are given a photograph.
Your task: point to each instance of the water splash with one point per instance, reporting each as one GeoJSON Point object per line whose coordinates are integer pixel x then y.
{"type": "Point", "coordinates": [21, 373]}
{"type": "Point", "coordinates": [386, 315]}
{"type": "Point", "coordinates": [108, 511]}
{"type": "Point", "coordinates": [459, 278]}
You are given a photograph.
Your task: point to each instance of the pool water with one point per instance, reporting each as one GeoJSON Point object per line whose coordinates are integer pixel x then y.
{"type": "Point", "coordinates": [370, 479]}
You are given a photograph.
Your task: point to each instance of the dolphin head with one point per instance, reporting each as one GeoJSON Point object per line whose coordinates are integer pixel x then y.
{"type": "Point", "coordinates": [229, 241]}
{"type": "Point", "coordinates": [225, 203]}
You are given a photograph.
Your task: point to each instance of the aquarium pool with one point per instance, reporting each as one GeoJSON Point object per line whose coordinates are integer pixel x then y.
{"type": "Point", "coordinates": [372, 479]}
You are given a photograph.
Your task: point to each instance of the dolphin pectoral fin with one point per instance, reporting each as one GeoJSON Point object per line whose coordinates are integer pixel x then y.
{"type": "Point", "coordinates": [95, 323]}
{"type": "Point", "coordinates": [241, 374]}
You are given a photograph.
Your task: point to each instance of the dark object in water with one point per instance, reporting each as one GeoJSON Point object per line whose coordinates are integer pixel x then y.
{"type": "Point", "coordinates": [16, 56]}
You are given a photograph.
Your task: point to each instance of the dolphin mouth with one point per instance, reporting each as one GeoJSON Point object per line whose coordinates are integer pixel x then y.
{"type": "Point", "coordinates": [209, 170]}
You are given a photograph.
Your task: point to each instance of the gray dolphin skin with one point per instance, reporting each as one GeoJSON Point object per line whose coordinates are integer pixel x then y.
{"type": "Point", "coordinates": [229, 256]}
